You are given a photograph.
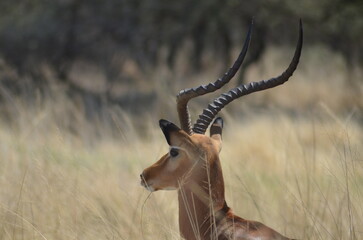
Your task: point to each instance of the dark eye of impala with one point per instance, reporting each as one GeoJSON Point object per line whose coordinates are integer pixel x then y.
{"type": "Point", "coordinates": [173, 152]}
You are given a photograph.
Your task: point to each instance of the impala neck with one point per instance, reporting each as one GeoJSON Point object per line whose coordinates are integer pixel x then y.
{"type": "Point", "coordinates": [201, 203]}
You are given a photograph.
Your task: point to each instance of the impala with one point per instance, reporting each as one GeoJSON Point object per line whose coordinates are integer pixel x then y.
{"type": "Point", "coordinates": [192, 165]}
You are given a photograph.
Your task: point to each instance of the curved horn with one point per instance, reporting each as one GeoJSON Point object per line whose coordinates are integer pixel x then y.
{"type": "Point", "coordinates": [211, 111]}
{"type": "Point", "coordinates": [185, 95]}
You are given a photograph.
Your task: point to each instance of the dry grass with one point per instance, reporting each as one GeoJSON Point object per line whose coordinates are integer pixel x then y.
{"type": "Point", "coordinates": [301, 174]}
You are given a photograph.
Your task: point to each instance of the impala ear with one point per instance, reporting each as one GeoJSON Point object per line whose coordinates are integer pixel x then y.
{"type": "Point", "coordinates": [168, 129]}
{"type": "Point", "coordinates": [216, 127]}
{"type": "Point", "coordinates": [216, 131]}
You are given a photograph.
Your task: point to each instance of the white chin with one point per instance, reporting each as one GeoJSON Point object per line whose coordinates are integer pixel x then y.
{"type": "Point", "coordinates": [150, 188]}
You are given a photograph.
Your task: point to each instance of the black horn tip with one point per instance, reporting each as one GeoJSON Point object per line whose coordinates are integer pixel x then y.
{"type": "Point", "coordinates": [301, 30]}
{"type": "Point", "coordinates": [252, 21]}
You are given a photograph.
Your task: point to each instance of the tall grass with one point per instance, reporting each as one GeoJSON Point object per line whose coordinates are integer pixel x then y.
{"type": "Point", "coordinates": [299, 172]}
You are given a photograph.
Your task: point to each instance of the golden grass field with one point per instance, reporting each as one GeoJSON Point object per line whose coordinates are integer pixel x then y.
{"type": "Point", "coordinates": [299, 172]}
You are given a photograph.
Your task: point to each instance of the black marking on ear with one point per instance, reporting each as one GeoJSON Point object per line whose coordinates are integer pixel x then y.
{"type": "Point", "coordinates": [167, 127]}
{"type": "Point", "coordinates": [217, 126]}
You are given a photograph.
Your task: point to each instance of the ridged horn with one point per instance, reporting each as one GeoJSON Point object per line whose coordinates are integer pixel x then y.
{"type": "Point", "coordinates": [213, 108]}
{"type": "Point", "coordinates": [185, 95]}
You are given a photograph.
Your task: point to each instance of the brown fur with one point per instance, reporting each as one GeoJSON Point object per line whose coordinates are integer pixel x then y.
{"type": "Point", "coordinates": [197, 176]}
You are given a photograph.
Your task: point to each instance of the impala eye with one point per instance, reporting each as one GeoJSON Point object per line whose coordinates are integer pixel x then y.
{"type": "Point", "coordinates": [173, 152]}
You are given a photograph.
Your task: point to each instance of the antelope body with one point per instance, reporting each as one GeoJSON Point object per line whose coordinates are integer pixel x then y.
{"type": "Point", "coordinates": [192, 165]}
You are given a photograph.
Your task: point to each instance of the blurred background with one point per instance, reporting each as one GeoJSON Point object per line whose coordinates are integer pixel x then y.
{"type": "Point", "coordinates": [84, 83]}
{"type": "Point", "coordinates": [131, 53]}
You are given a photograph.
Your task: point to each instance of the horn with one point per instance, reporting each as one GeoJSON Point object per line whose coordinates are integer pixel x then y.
{"type": "Point", "coordinates": [185, 95]}
{"type": "Point", "coordinates": [213, 108]}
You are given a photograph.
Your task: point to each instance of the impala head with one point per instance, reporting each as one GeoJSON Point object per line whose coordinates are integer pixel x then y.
{"type": "Point", "coordinates": [186, 156]}
{"type": "Point", "coordinates": [189, 148]}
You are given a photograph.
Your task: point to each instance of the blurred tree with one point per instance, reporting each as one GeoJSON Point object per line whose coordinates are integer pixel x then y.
{"type": "Point", "coordinates": [58, 33]}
